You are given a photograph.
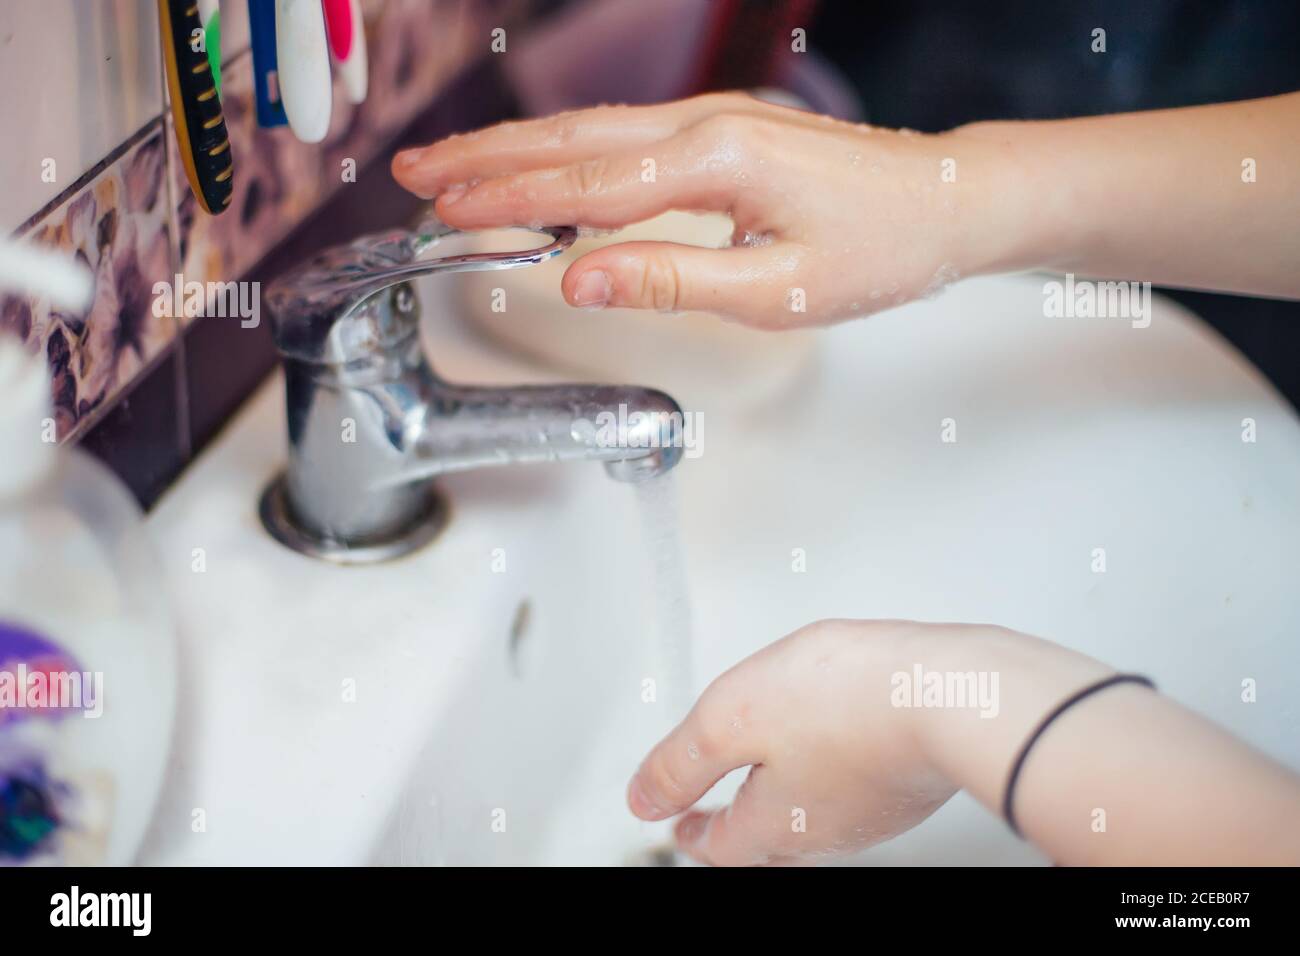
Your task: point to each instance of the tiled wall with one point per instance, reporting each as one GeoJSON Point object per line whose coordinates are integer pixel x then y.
{"type": "Point", "coordinates": [92, 98]}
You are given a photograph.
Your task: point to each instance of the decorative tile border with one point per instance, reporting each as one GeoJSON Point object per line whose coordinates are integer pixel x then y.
{"type": "Point", "coordinates": [119, 225]}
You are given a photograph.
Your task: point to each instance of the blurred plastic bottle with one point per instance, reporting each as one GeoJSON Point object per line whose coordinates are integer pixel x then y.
{"type": "Point", "coordinates": [87, 648]}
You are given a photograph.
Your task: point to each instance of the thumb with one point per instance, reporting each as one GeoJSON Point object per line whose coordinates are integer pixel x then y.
{"type": "Point", "coordinates": [749, 283]}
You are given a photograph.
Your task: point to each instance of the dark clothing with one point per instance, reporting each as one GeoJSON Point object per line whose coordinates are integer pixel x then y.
{"type": "Point", "coordinates": [935, 64]}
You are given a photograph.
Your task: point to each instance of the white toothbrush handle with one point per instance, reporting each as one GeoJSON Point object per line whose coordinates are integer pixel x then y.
{"type": "Point", "coordinates": [303, 58]}
{"type": "Point", "coordinates": [355, 69]}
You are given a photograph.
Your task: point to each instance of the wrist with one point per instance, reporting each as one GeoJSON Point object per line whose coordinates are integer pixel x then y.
{"type": "Point", "coordinates": [1020, 214]}
{"type": "Point", "coordinates": [1017, 680]}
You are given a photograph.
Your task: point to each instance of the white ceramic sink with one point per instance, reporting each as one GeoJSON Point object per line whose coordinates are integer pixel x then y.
{"type": "Point", "coordinates": [486, 695]}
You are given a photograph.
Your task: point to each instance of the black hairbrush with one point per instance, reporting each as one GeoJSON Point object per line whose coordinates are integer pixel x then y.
{"type": "Point", "coordinates": [196, 107]}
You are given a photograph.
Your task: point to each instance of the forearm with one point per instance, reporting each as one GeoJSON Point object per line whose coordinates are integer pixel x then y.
{"type": "Point", "coordinates": [1161, 196]}
{"type": "Point", "coordinates": [1125, 776]}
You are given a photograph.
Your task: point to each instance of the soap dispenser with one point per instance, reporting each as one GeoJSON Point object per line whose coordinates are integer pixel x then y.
{"type": "Point", "coordinates": [87, 648]}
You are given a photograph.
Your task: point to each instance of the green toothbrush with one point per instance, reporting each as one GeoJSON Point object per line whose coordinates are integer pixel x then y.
{"type": "Point", "coordinates": [210, 20]}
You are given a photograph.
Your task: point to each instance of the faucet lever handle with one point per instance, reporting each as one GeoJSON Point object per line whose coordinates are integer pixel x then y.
{"type": "Point", "coordinates": [309, 302]}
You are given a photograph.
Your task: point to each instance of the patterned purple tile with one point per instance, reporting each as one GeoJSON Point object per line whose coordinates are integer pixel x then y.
{"type": "Point", "coordinates": [118, 224]}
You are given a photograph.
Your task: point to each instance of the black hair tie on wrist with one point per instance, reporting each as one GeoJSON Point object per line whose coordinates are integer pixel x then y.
{"type": "Point", "coordinates": [1008, 799]}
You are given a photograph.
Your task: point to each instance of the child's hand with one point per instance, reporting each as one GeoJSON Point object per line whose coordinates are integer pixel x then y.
{"type": "Point", "coordinates": [836, 767]}
{"type": "Point", "coordinates": [842, 759]}
{"type": "Point", "coordinates": [851, 219]}
{"type": "Point", "coordinates": [842, 220]}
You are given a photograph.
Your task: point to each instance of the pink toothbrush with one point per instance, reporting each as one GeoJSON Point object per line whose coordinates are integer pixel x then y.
{"type": "Point", "coordinates": [347, 35]}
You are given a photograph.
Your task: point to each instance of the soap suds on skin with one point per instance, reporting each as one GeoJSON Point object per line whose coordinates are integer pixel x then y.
{"type": "Point", "coordinates": [943, 277]}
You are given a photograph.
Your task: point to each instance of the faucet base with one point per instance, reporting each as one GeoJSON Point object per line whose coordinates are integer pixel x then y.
{"type": "Point", "coordinates": [278, 519]}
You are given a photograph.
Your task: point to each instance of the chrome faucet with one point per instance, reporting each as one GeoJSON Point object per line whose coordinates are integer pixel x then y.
{"type": "Point", "coordinates": [371, 423]}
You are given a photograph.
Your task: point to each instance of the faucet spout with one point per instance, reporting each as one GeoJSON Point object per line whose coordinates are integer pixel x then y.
{"type": "Point", "coordinates": [637, 432]}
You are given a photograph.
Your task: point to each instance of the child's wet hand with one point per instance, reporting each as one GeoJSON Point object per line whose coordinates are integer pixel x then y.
{"type": "Point", "coordinates": [831, 219]}
{"type": "Point", "coordinates": [835, 767]}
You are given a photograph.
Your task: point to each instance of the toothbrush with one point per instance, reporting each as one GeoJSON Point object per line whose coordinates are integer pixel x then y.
{"type": "Point", "coordinates": [266, 78]}
{"type": "Point", "coordinates": [303, 56]}
{"type": "Point", "coordinates": [347, 34]}
{"type": "Point", "coordinates": [196, 109]}
{"type": "Point", "coordinates": [210, 18]}
{"type": "Point", "coordinates": [338, 26]}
